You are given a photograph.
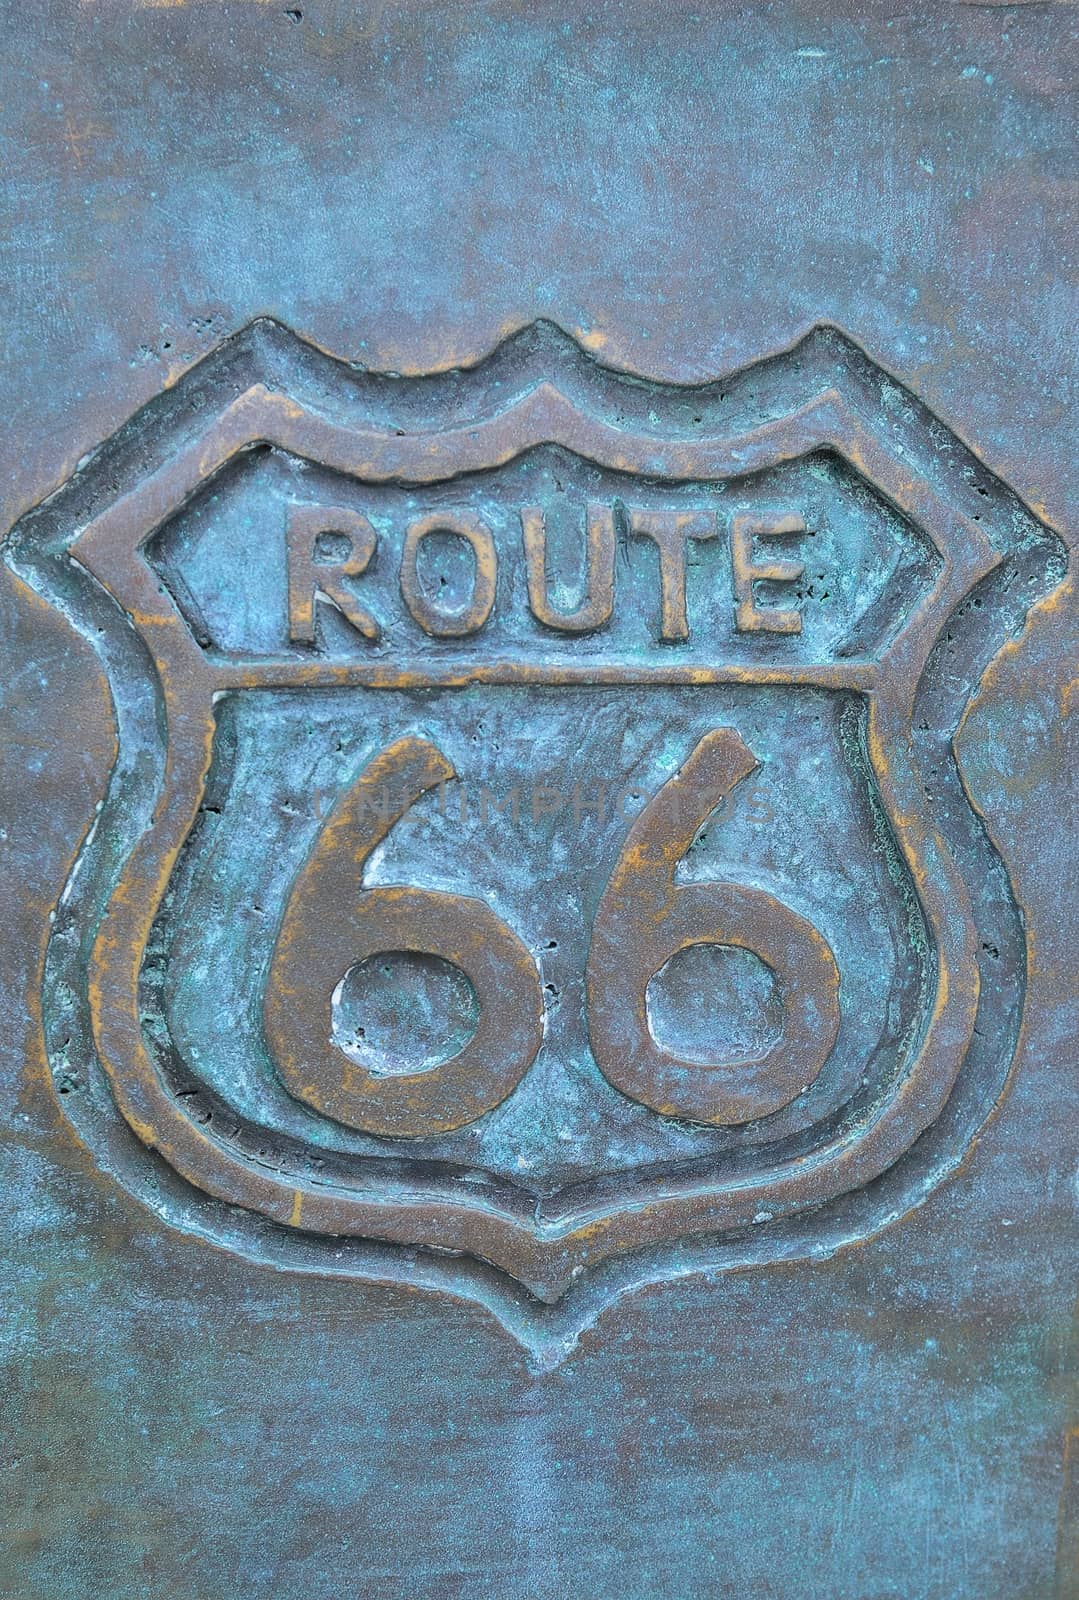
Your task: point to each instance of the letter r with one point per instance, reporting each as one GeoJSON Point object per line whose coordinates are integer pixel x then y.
{"type": "Point", "coordinates": [312, 576]}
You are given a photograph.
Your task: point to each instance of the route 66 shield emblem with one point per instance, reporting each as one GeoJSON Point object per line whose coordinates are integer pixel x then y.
{"type": "Point", "coordinates": [536, 861]}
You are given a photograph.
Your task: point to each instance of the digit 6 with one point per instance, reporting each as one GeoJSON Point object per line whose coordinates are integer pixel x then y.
{"type": "Point", "coordinates": [332, 923]}
{"type": "Point", "coordinates": [644, 918]}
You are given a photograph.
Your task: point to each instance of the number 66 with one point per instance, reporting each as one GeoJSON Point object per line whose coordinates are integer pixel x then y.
{"type": "Point", "coordinates": [332, 921]}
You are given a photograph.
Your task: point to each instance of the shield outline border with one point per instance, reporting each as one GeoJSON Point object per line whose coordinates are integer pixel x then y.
{"type": "Point", "coordinates": [620, 1249]}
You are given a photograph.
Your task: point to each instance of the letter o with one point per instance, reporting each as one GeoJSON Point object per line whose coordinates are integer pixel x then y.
{"type": "Point", "coordinates": [431, 618]}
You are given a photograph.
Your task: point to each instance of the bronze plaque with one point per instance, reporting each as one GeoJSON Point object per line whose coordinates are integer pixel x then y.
{"type": "Point", "coordinates": [537, 886]}
{"type": "Point", "coordinates": [594, 911]}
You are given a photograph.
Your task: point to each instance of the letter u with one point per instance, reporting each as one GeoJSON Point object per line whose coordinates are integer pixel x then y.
{"type": "Point", "coordinates": [598, 600]}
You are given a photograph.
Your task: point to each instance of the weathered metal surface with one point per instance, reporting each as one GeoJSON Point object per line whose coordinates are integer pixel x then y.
{"type": "Point", "coordinates": [553, 836]}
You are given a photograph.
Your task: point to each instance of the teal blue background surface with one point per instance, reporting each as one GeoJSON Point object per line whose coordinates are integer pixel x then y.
{"type": "Point", "coordinates": [683, 188]}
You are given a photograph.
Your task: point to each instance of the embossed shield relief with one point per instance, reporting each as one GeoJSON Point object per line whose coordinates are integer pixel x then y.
{"type": "Point", "coordinates": [536, 861]}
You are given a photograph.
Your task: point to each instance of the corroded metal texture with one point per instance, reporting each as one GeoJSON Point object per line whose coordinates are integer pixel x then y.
{"type": "Point", "coordinates": [538, 1004]}
{"type": "Point", "coordinates": [336, 666]}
